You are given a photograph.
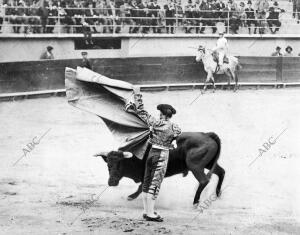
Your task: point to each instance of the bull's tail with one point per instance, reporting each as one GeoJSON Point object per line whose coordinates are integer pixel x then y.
{"type": "Point", "coordinates": [216, 138]}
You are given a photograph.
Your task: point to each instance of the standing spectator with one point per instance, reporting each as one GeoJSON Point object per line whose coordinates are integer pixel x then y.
{"type": "Point", "coordinates": [250, 17]}
{"type": "Point", "coordinates": [43, 12]}
{"type": "Point", "coordinates": [242, 14]}
{"type": "Point", "coordinates": [170, 13]}
{"type": "Point", "coordinates": [154, 13]}
{"type": "Point", "coordinates": [297, 10]}
{"type": "Point", "coordinates": [288, 50]}
{"type": "Point", "coordinates": [205, 21]}
{"type": "Point", "coordinates": [125, 13]}
{"type": "Point", "coordinates": [277, 52]}
{"type": "Point", "coordinates": [2, 14]}
{"type": "Point", "coordinates": [189, 15]}
{"type": "Point", "coordinates": [12, 12]}
{"type": "Point", "coordinates": [178, 12]}
{"type": "Point", "coordinates": [47, 55]}
{"type": "Point", "coordinates": [85, 63]}
{"type": "Point", "coordinates": [234, 20]}
{"type": "Point", "coordinates": [273, 18]}
{"type": "Point", "coordinates": [135, 13]}
{"type": "Point", "coordinates": [143, 13]}
{"type": "Point", "coordinates": [90, 16]}
{"type": "Point", "coordinates": [197, 15]}
{"type": "Point", "coordinates": [261, 8]}
{"type": "Point", "coordinates": [52, 17]}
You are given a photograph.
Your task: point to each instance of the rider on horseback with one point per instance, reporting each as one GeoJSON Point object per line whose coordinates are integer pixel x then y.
{"type": "Point", "coordinates": [221, 48]}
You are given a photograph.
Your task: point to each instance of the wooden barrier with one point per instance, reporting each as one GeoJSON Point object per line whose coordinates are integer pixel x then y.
{"type": "Point", "coordinates": [49, 75]}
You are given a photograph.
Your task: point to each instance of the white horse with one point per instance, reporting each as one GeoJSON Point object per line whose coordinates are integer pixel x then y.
{"type": "Point", "coordinates": [210, 66]}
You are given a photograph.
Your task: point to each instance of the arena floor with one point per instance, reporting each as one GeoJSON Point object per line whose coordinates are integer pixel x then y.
{"type": "Point", "coordinates": [50, 190]}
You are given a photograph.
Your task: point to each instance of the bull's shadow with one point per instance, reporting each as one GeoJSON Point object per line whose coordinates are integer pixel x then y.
{"type": "Point", "coordinates": [195, 152]}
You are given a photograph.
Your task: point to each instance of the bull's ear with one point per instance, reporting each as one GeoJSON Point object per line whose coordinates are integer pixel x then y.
{"type": "Point", "coordinates": [127, 154]}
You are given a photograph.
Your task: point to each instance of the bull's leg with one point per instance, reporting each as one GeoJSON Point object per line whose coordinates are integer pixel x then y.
{"type": "Point", "coordinates": [136, 194]}
{"type": "Point", "coordinates": [208, 79]}
{"type": "Point", "coordinates": [198, 193]}
{"type": "Point", "coordinates": [220, 172]}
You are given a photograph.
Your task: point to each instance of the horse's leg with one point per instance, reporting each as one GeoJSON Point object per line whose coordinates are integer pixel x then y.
{"type": "Point", "coordinates": [209, 78]}
{"type": "Point", "coordinates": [135, 194]}
{"type": "Point", "coordinates": [198, 193]}
{"type": "Point", "coordinates": [229, 76]}
{"type": "Point", "coordinates": [236, 87]}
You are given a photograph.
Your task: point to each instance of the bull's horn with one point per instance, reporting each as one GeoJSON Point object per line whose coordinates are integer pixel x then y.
{"type": "Point", "coordinates": [100, 154]}
{"type": "Point", "coordinates": [127, 154]}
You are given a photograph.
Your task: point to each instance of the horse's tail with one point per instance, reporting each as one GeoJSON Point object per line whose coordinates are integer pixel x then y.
{"type": "Point", "coordinates": [238, 67]}
{"type": "Point", "coordinates": [216, 138]}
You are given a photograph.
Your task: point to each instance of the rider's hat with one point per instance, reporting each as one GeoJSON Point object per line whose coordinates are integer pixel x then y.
{"type": "Point", "coordinates": [249, 3]}
{"type": "Point", "coordinates": [278, 48]}
{"type": "Point", "coordinates": [49, 48]}
{"type": "Point", "coordinates": [84, 53]}
{"type": "Point", "coordinates": [165, 107]}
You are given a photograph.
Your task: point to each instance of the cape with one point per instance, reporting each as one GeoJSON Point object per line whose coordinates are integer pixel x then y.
{"type": "Point", "coordinates": [107, 98]}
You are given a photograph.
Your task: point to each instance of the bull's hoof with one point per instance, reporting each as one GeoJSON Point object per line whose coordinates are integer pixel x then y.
{"type": "Point", "coordinates": [219, 192]}
{"type": "Point", "coordinates": [195, 205]}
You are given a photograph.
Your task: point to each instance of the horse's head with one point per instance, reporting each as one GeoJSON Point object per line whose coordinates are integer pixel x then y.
{"type": "Point", "coordinates": [200, 53]}
{"type": "Point", "coordinates": [114, 160]}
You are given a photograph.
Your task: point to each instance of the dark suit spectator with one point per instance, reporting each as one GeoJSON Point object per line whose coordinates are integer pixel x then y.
{"type": "Point", "coordinates": [197, 15]}
{"type": "Point", "coordinates": [250, 17]}
{"type": "Point", "coordinates": [170, 13]}
{"type": "Point", "coordinates": [90, 17]}
{"type": "Point", "coordinates": [125, 11]}
{"type": "Point", "coordinates": [154, 14]}
{"type": "Point", "coordinates": [179, 12]}
{"type": "Point", "coordinates": [47, 55]}
{"type": "Point", "coordinates": [2, 14]}
{"type": "Point", "coordinates": [261, 8]}
{"type": "Point", "coordinates": [143, 12]}
{"type": "Point", "coordinates": [43, 12]}
{"type": "Point", "coordinates": [85, 63]}
{"type": "Point", "coordinates": [189, 15]}
{"type": "Point", "coordinates": [277, 52]}
{"type": "Point", "coordinates": [273, 18]}
{"type": "Point", "coordinates": [135, 13]}
{"type": "Point", "coordinates": [52, 17]}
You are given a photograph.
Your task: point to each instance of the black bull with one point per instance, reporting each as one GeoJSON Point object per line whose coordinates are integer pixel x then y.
{"type": "Point", "coordinates": [195, 151]}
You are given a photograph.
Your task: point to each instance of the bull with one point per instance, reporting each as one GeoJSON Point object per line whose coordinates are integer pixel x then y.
{"type": "Point", "coordinates": [195, 152]}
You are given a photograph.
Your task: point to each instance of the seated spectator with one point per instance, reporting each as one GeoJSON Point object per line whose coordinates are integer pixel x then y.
{"type": "Point", "coordinates": [250, 17]}
{"type": "Point", "coordinates": [288, 50]}
{"type": "Point", "coordinates": [273, 18]}
{"type": "Point", "coordinates": [33, 18]}
{"type": "Point", "coordinates": [277, 52]}
{"type": "Point", "coordinates": [47, 55]}
{"type": "Point", "coordinates": [90, 16]}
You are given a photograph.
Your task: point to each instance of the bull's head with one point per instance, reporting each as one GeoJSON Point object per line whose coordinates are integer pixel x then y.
{"type": "Point", "coordinates": [200, 53]}
{"type": "Point", "coordinates": [114, 163]}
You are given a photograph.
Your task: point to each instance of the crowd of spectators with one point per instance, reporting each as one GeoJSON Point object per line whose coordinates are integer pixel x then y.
{"type": "Point", "coordinates": [76, 16]}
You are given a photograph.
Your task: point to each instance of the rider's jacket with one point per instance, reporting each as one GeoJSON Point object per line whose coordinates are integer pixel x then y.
{"type": "Point", "coordinates": [222, 45]}
{"type": "Point", "coordinates": [163, 131]}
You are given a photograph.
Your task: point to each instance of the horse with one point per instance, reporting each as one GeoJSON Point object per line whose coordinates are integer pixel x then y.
{"type": "Point", "coordinates": [211, 67]}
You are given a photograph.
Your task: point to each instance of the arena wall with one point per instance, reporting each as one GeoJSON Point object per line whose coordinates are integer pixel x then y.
{"type": "Point", "coordinates": [49, 75]}
{"type": "Point", "coordinates": [29, 47]}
